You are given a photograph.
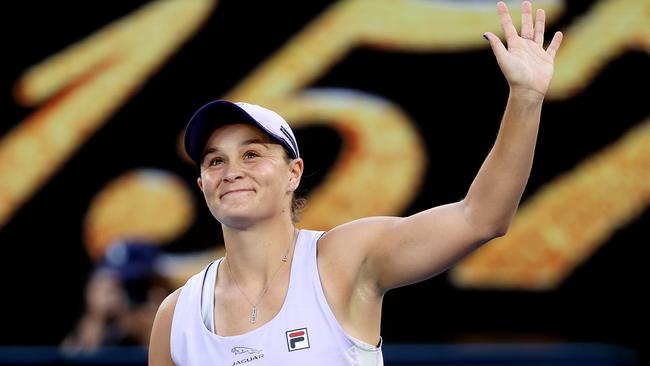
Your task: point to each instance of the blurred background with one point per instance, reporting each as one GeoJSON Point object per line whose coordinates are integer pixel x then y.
{"type": "Point", "coordinates": [395, 104]}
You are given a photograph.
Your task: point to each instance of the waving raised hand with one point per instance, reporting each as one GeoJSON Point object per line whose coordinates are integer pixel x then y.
{"type": "Point", "coordinates": [525, 63]}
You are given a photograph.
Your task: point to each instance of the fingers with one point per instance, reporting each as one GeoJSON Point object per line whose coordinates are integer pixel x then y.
{"type": "Point", "coordinates": [555, 44]}
{"type": "Point", "coordinates": [540, 19]}
{"type": "Point", "coordinates": [526, 20]}
{"type": "Point", "coordinates": [535, 33]}
{"type": "Point", "coordinates": [506, 22]}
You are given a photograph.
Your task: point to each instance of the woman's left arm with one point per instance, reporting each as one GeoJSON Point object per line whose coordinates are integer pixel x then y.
{"type": "Point", "coordinates": [399, 251]}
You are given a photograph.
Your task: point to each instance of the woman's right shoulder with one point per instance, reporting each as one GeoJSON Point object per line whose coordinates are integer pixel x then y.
{"type": "Point", "coordinates": [167, 306]}
{"type": "Point", "coordinates": [159, 343]}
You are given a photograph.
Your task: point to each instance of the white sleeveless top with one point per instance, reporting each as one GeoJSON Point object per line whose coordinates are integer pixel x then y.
{"type": "Point", "coordinates": [304, 332]}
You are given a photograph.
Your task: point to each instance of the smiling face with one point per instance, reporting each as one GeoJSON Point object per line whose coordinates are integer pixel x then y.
{"type": "Point", "coordinates": [246, 177]}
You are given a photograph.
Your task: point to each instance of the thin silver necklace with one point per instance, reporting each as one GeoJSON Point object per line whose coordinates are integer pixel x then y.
{"type": "Point", "coordinates": [253, 314]}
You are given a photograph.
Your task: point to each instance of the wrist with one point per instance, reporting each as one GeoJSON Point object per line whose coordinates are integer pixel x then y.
{"type": "Point", "coordinates": [528, 96]}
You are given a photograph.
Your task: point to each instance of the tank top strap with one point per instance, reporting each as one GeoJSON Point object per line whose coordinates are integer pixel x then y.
{"type": "Point", "coordinates": [207, 293]}
{"type": "Point", "coordinates": [304, 258]}
{"type": "Point", "coordinates": [306, 247]}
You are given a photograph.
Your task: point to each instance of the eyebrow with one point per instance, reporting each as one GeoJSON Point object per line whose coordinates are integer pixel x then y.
{"type": "Point", "coordinates": [244, 143]}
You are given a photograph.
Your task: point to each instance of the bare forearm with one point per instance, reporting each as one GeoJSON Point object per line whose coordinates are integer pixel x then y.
{"type": "Point", "coordinates": [495, 193]}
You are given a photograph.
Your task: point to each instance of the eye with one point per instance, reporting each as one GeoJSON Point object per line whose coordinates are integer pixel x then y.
{"type": "Point", "coordinates": [215, 161]}
{"type": "Point", "coordinates": [250, 154]}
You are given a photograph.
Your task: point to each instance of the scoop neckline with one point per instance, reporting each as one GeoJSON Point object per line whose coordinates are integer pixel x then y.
{"type": "Point", "coordinates": [263, 326]}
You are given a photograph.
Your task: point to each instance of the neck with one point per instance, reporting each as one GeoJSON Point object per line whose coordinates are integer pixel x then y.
{"type": "Point", "coordinates": [255, 253]}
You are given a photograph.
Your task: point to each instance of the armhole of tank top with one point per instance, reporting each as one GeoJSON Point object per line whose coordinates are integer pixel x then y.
{"type": "Point", "coordinates": [358, 344]}
{"type": "Point", "coordinates": [207, 294]}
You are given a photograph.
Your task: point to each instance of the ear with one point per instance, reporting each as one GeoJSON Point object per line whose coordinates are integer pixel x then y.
{"type": "Point", "coordinates": [200, 183]}
{"type": "Point", "coordinates": [296, 167]}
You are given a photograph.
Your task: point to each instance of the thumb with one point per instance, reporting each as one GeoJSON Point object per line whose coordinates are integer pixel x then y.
{"type": "Point", "coordinates": [497, 46]}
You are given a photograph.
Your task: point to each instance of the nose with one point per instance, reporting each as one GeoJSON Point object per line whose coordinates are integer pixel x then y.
{"type": "Point", "coordinates": [232, 173]}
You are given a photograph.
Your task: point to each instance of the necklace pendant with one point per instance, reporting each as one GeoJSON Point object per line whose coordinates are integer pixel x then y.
{"type": "Point", "coordinates": [253, 316]}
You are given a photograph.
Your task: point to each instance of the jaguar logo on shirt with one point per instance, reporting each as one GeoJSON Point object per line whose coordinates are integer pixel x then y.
{"type": "Point", "coordinates": [240, 350]}
{"type": "Point", "coordinates": [297, 339]}
{"type": "Point", "coordinates": [254, 354]}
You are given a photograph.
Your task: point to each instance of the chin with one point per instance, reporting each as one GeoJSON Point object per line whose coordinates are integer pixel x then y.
{"type": "Point", "coordinates": [238, 222]}
{"type": "Point", "coordinates": [238, 218]}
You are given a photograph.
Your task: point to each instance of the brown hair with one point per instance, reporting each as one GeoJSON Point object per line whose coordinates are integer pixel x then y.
{"type": "Point", "coordinates": [297, 203]}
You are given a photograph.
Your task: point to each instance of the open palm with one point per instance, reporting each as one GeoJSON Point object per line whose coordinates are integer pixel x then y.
{"type": "Point", "coordinates": [525, 63]}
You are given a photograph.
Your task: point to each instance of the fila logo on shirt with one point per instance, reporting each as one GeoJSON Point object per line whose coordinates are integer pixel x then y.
{"type": "Point", "coordinates": [297, 339]}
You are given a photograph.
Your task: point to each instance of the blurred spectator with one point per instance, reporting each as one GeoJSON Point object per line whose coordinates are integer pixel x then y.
{"type": "Point", "coordinates": [122, 296]}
